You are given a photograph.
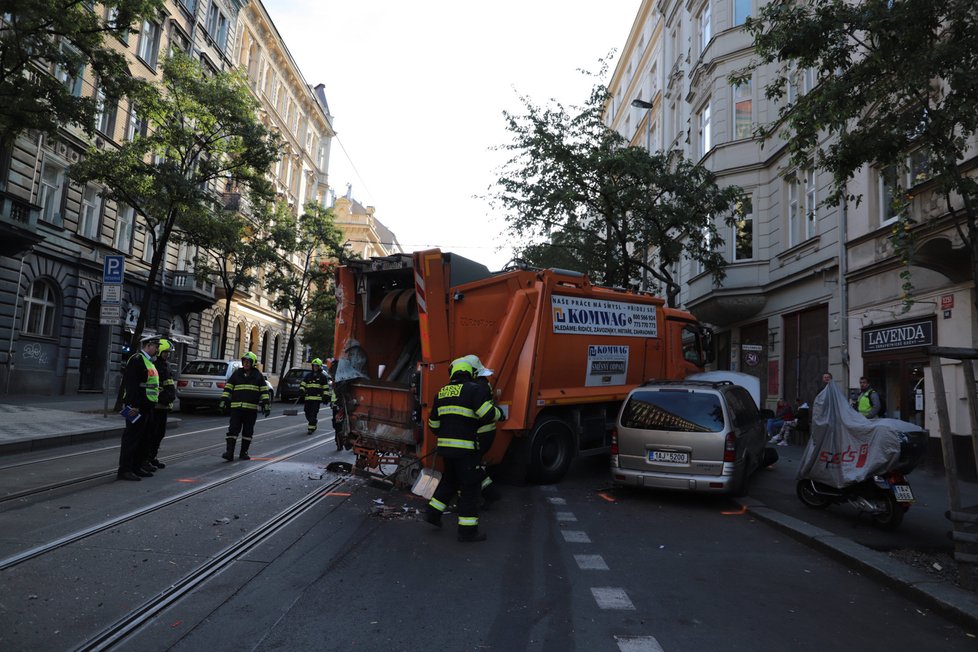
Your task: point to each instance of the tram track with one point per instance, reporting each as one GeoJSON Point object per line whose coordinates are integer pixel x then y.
{"type": "Point", "coordinates": [267, 437]}
{"type": "Point", "coordinates": [79, 535]}
{"type": "Point", "coordinates": [132, 621]}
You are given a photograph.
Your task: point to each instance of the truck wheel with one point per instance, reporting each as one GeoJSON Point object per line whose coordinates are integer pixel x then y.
{"type": "Point", "coordinates": [551, 451]}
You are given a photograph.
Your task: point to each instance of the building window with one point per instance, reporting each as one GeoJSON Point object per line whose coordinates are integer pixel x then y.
{"type": "Point", "coordinates": [149, 246]}
{"type": "Point", "coordinates": [888, 193]}
{"type": "Point", "coordinates": [794, 213]}
{"type": "Point", "coordinates": [807, 80]}
{"type": "Point", "coordinates": [190, 6]}
{"type": "Point", "coordinates": [70, 75]}
{"type": "Point", "coordinates": [89, 214]}
{"type": "Point", "coordinates": [216, 339]}
{"type": "Point", "coordinates": [706, 29]}
{"type": "Point", "coordinates": [743, 110]}
{"type": "Point", "coordinates": [40, 307]}
{"type": "Point", "coordinates": [105, 113]}
{"type": "Point", "coordinates": [50, 192]}
{"type": "Point", "coordinates": [742, 9]}
{"type": "Point", "coordinates": [124, 222]}
{"type": "Point", "coordinates": [178, 40]}
{"type": "Point", "coordinates": [136, 126]}
{"type": "Point", "coordinates": [744, 229]}
{"type": "Point", "coordinates": [111, 18]}
{"type": "Point", "coordinates": [706, 141]}
{"type": "Point", "coordinates": [217, 25]}
{"type": "Point", "coordinates": [810, 204]}
{"type": "Point", "coordinates": [149, 43]}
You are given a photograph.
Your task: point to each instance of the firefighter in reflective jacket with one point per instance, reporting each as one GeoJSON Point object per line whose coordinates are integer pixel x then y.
{"type": "Point", "coordinates": [486, 433]}
{"type": "Point", "coordinates": [245, 393]}
{"type": "Point", "coordinates": [315, 390]}
{"type": "Point", "coordinates": [456, 414]}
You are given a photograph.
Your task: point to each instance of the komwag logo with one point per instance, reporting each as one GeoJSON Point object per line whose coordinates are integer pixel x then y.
{"type": "Point", "coordinates": [846, 457]}
{"type": "Point", "coordinates": [590, 317]}
{"type": "Point", "coordinates": [596, 350]}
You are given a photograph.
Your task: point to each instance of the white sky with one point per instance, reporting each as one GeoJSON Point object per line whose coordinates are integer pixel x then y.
{"type": "Point", "coordinates": [417, 90]}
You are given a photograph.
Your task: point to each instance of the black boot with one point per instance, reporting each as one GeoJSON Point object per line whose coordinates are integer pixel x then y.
{"type": "Point", "coordinates": [470, 534]}
{"type": "Point", "coordinates": [433, 516]}
{"type": "Point", "coordinates": [244, 451]}
{"type": "Point", "coordinates": [229, 453]}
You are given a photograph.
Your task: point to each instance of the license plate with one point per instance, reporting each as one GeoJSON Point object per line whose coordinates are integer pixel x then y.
{"type": "Point", "coordinates": [202, 383]}
{"type": "Point", "coordinates": [669, 456]}
{"type": "Point", "coordinates": [903, 493]}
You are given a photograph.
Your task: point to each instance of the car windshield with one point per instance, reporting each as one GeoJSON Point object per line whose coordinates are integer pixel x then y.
{"type": "Point", "coordinates": [295, 374]}
{"type": "Point", "coordinates": [206, 368]}
{"type": "Point", "coordinates": [673, 409]}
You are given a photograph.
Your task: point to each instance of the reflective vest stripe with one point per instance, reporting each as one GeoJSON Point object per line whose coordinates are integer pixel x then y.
{"type": "Point", "coordinates": [468, 521]}
{"type": "Point", "coordinates": [458, 410]}
{"type": "Point", "coordinates": [456, 443]}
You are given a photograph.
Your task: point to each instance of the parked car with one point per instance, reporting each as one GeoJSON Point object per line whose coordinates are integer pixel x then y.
{"type": "Point", "coordinates": [201, 383]}
{"type": "Point", "coordinates": [692, 435]}
{"type": "Point", "coordinates": [288, 385]}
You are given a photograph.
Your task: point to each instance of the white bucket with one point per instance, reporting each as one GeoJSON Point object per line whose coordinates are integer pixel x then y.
{"type": "Point", "coordinates": [426, 483]}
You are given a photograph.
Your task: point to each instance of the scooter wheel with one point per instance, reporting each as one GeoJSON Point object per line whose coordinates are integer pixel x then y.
{"type": "Point", "coordinates": [807, 494]}
{"type": "Point", "coordinates": [892, 514]}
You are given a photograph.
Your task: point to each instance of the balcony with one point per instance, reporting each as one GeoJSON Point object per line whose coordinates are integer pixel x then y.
{"type": "Point", "coordinates": [188, 292]}
{"type": "Point", "coordinates": [741, 296]}
{"type": "Point", "coordinates": [18, 224]}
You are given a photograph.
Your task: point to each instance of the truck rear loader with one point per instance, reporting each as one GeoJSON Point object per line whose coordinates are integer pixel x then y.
{"type": "Point", "coordinates": [565, 354]}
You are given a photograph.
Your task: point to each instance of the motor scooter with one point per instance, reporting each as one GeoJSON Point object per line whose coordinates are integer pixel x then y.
{"type": "Point", "coordinates": [886, 498]}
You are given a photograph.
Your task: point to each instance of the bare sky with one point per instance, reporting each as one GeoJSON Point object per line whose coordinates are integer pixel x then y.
{"type": "Point", "coordinates": [417, 90]}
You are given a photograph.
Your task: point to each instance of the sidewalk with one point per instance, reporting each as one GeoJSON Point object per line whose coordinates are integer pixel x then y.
{"type": "Point", "coordinates": [31, 422]}
{"type": "Point", "coordinates": [37, 422]}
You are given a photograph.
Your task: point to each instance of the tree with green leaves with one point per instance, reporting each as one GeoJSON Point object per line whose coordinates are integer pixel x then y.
{"type": "Point", "coordinates": [198, 136]}
{"type": "Point", "coordinates": [45, 48]}
{"type": "Point", "coordinates": [232, 248]}
{"type": "Point", "coordinates": [894, 88]}
{"type": "Point", "coordinates": [573, 191]}
{"type": "Point", "coordinates": [301, 280]}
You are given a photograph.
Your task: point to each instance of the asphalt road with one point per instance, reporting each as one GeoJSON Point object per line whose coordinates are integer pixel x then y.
{"type": "Point", "coordinates": [571, 566]}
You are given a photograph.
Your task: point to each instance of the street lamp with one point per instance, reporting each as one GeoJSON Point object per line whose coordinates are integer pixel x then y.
{"type": "Point", "coordinates": [642, 104]}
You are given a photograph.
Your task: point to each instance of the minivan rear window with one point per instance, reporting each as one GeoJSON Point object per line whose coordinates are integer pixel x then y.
{"type": "Point", "coordinates": [206, 368]}
{"type": "Point", "coordinates": [676, 410]}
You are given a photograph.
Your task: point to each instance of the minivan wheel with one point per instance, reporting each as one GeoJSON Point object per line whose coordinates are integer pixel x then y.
{"type": "Point", "coordinates": [551, 451]}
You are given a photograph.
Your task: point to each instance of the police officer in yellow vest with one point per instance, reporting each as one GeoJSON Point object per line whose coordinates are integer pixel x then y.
{"type": "Point", "coordinates": [458, 410]}
{"type": "Point", "coordinates": [141, 383]}
{"type": "Point", "coordinates": [315, 390]}
{"type": "Point", "coordinates": [868, 402]}
{"type": "Point", "coordinates": [168, 394]}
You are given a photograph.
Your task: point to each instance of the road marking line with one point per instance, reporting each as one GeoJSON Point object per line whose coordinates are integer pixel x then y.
{"type": "Point", "coordinates": [612, 598]}
{"type": "Point", "coordinates": [566, 517]}
{"type": "Point", "coordinates": [590, 562]}
{"type": "Point", "coordinates": [575, 536]}
{"type": "Point", "coordinates": [557, 501]}
{"type": "Point", "coordinates": [638, 644]}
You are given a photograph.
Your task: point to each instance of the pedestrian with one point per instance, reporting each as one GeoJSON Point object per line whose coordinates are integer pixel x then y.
{"type": "Point", "coordinates": [782, 414]}
{"type": "Point", "coordinates": [141, 391]}
{"type": "Point", "coordinates": [487, 435]}
{"type": "Point", "coordinates": [868, 402]}
{"type": "Point", "coordinates": [245, 393]}
{"type": "Point", "coordinates": [458, 410]}
{"type": "Point", "coordinates": [314, 389]}
{"type": "Point", "coordinates": [161, 413]}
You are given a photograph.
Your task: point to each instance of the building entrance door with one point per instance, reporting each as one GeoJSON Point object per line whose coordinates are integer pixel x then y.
{"type": "Point", "coordinates": [91, 372]}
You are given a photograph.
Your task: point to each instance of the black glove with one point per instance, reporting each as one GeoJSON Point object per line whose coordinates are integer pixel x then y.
{"type": "Point", "coordinates": [266, 410]}
{"type": "Point", "coordinates": [223, 407]}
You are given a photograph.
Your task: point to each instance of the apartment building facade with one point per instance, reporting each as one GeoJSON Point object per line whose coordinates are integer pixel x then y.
{"type": "Point", "coordinates": [55, 234]}
{"type": "Point", "coordinates": [809, 288]}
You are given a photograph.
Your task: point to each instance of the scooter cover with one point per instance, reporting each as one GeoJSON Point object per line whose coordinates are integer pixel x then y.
{"type": "Point", "coordinates": [845, 447]}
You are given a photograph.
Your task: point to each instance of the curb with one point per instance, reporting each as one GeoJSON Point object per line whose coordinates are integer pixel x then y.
{"type": "Point", "coordinates": [957, 604]}
{"type": "Point", "coordinates": [46, 442]}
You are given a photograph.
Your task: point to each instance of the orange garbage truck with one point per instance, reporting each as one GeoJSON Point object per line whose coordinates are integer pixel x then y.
{"type": "Point", "coordinates": [565, 354]}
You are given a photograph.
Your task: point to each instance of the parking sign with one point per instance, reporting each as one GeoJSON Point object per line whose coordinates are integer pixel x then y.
{"type": "Point", "coordinates": [114, 269]}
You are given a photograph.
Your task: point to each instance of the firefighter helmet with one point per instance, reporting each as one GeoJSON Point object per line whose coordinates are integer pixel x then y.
{"type": "Point", "coordinates": [461, 365]}
{"type": "Point", "coordinates": [165, 346]}
{"type": "Point", "coordinates": [317, 361]}
{"type": "Point", "coordinates": [250, 356]}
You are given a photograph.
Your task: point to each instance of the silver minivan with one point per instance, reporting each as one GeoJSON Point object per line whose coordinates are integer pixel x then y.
{"type": "Point", "coordinates": [202, 383]}
{"type": "Point", "coordinates": [689, 435]}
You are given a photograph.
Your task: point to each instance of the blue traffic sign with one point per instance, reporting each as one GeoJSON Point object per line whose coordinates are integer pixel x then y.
{"type": "Point", "coordinates": [114, 269]}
